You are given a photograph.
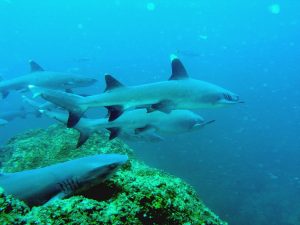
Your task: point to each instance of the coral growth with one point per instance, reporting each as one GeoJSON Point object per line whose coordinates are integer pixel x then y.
{"type": "Point", "coordinates": [136, 194]}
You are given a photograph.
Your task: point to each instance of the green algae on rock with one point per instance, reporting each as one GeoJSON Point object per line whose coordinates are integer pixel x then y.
{"type": "Point", "coordinates": [44, 147]}
{"type": "Point", "coordinates": [136, 194]}
{"type": "Point", "coordinates": [12, 211]}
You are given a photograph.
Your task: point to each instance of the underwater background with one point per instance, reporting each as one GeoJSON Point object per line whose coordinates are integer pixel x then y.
{"type": "Point", "coordinates": [246, 165]}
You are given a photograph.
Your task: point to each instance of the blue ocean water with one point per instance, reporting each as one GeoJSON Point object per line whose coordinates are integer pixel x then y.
{"type": "Point", "coordinates": [246, 165]}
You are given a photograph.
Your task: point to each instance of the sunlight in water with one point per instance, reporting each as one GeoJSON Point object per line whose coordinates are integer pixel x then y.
{"type": "Point", "coordinates": [274, 8]}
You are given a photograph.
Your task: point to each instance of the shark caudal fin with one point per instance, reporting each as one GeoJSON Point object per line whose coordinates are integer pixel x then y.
{"type": "Point", "coordinates": [34, 67]}
{"type": "Point", "coordinates": [83, 137]}
{"type": "Point", "coordinates": [68, 101]}
{"type": "Point", "coordinates": [114, 111]}
{"type": "Point", "coordinates": [178, 70]}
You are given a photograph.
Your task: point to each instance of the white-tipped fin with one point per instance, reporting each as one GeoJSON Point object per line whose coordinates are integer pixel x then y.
{"type": "Point", "coordinates": [178, 70]}
{"type": "Point", "coordinates": [34, 90]}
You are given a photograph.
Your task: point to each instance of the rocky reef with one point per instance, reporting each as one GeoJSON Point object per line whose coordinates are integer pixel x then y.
{"type": "Point", "coordinates": [136, 194]}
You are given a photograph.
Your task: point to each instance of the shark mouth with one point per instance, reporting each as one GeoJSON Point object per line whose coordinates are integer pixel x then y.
{"type": "Point", "coordinates": [231, 99]}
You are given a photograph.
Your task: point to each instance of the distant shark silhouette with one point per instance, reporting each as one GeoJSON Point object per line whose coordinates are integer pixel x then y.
{"type": "Point", "coordinates": [180, 92]}
{"type": "Point", "coordinates": [10, 115]}
{"type": "Point", "coordinates": [38, 76]}
{"type": "Point", "coordinates": [38, 186]}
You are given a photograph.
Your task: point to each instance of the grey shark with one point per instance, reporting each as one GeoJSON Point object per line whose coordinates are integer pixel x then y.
{"type": "Point", "coordinates": [88, 126]}
{"type": "Point", "coordinates": [10, 115]}
{"type": "Point", "coordinates": [38, 186]}
{"type": "Point", "coordinates": [37, 105]}
{"type": "Point", "coordinates": [38, 76]}
{"type": "Point", "coordinates": [139, 121]}
{"type": "Point", "coordinates": [179, 92]}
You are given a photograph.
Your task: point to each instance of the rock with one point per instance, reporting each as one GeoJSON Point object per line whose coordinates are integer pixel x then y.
{"type": "Point", "coordinates": [12, 211]}
{"type": "Point", "coordinates": [136, 194]}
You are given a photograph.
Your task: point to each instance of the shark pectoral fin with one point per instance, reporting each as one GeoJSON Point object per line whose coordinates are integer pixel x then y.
{"type": "Point", "coordinates": [59, 196]}
{"type": "Point", "coordinates": [114, 112]}
{"type": "Point", "coordinates": [74, 117]}
{"type": "Point", "coordinates": [178, 70]}
{"type": "Point", "coordinates": [4, 94]}
{"type": "Point", "coordinates": [83, 136]}
{"type": "Point", "coordinates": [34, 67]}
{"type": "Point", "coordinates": [165, 106]}
{"type": "Point", "coordinates": [203, 124]}
{"type": "Point", "coordinates": [114, 132]}
{"type": "Point", "coordinates": [208, 122]}
{"type": "Point", "coordinates": [112, 83]}
{"type": "Point", "coordinates": [144, 129]}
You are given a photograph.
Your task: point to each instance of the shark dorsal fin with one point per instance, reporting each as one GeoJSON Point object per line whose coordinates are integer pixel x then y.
{"type": "Point", "coordinates": [34, 67]}
{"type": "Point", "coordinates": [112, 83]}
{"type": "Point", "coordinates": [178, 70]}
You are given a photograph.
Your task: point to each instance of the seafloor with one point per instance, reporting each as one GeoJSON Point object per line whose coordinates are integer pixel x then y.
{"type": "Point", "coordinates": [136, 194]}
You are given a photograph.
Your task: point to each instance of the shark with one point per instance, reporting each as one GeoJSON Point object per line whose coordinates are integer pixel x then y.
{"type": "Point", "coordinates": [10, 115]}
{"type": "Point", "coordinates": [44, 185]}
{"type": "Point", "coordinates": [38, 105]}
{"type": "Point", "coordinates": [138, 121]}
{"type": "Point", "coordinates": [179, 92]}
{"type": "Point", "coordinates": [38, 76]}
{"type": "Point", "coordinates": [86, 127]}
{"type": "Point", "coordinates": [3, 122]}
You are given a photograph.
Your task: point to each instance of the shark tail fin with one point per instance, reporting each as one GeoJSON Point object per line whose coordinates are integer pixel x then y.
{"type": "Point", "coordinates": [83, 137]}
{"type": "Point", "coordinates": [74, 117]}
{"type": "Point", "coordinates": [68, 101]}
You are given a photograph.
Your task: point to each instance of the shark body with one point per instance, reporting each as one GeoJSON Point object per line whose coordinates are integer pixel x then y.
{"type": "Point", "coordinates": [179, 92]}
{"type": "Point", "coordinates": [38, 186]}
{"type": "Point", "coordinates": [10, 115]}
{"type": "Point", "coordinates": [138, 121]}
{"type": "Point", "coordinates": [86, 127]}
{"type": "Point", "coordinates": [38, 76]}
